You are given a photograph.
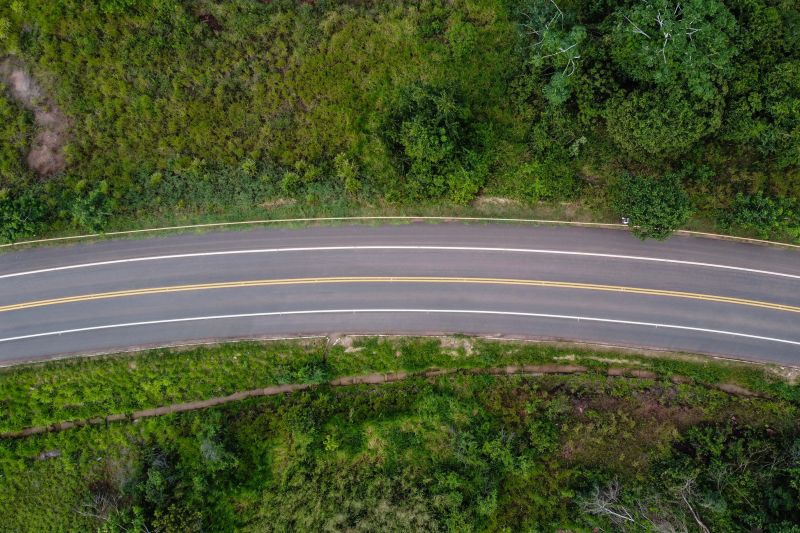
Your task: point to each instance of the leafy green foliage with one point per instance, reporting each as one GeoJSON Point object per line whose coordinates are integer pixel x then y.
{"type": "Point", "coordinates": [556, 47]}
{"type": "Point", "coordinates": [463, 452]}
{"type": "Point", "coordinates": [651, 124]}
{"type": "Point", "coordinates": [21, 214]}
{"type": "Point", "coordinates": [427, 131]}
{"type": "Point", "coordinates": [763, 215]}
{"type": "Point", "coordinates": [90, 211]}
{"type": "Point", "coordinates": [767, 113]}
{"type": "Point", "coordinates": [86, 388]}
{"type": "Point", "coordinates": [671, 43]}
{"type": "Point", "coordinates": [655, 207]}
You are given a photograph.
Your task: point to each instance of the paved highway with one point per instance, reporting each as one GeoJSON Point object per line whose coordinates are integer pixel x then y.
{"type": "Point", "coordinates": [691, 294]}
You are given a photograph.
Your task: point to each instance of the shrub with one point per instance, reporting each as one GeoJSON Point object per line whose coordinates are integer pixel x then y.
{"type": "Point", "coordinates": [428, 132]}
{"type": "Point", "coordinates": [21, 213]}
{"type": "Point", "coordinates": [655, 207]}
{"type": "Point", "coordinates": [661, 125]}
{"type": "Point", "coordinates": [763, 215]}
{"type": "Point", "coordinates": [92, 210]}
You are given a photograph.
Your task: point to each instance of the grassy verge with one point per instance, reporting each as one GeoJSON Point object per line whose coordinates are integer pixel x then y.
{"type": "Point", "coordinates": [81, 388]}
{"type": "Point", "coordinates": [500, 208]}
{"type": "Point", "coordinates": [283, 214]}
{"type": "Point", "coordinates": [461, 452]}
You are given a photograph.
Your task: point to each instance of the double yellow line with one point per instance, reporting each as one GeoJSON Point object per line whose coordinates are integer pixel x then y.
{"type": "Point", "coordinates": [387, 279]}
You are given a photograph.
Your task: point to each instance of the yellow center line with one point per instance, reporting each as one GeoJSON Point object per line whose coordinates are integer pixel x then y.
{"type": "Point", "coordinates": [399, 279]}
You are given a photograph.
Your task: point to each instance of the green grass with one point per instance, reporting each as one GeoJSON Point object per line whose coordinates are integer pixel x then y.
{"type": "Point", "coordinates": [82, 388]}
{"type": "Point", "coordinates": [579, 211]}
{"type": "Point", "coordinates": [245, 213]}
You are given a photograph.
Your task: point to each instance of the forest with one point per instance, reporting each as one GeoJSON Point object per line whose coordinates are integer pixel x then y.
{"type": "Point", "coordinates": [674, 113]}
{"type": "Point", "coordinates": [661, 449]}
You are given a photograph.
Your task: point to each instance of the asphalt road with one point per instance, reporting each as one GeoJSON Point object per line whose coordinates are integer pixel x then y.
{"type": "Point", "coordinates": [691, 294]}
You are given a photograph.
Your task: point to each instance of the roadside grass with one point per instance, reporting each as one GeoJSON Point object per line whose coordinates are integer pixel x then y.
{"type": "Point", "coordinates": [286, 216]}
{"type": "Point", "coordinates": [290, 215]}
{"type": "Point", "coordinates": [459, 452]}
{"type": "Point", "coordinates": [81, 388]}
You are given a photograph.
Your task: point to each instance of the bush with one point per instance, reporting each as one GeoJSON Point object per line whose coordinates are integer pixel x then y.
{"type": "Point", "coordinates": [763, 215]}
{"type": "Point", "coordinates": [428, 132]}
{"type": "Point", "coordinates": [661, 125]}
{"type": "Point", "coordinates": [22, 214]}
{"type": "Point", "coordinates": [91, 210]}
{"type": "Point", "coordinates": [655, 207]}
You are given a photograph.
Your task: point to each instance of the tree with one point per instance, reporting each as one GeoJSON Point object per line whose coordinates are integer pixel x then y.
{"type": "Point", "coordinates": [556, 46]}
{"type": "Point", "coordinates": [781, 135]}
{"type": "Point", "coordinates": [427, 132]}
{"type": "Point", "coordinates": [675, 42]}
{"type": "Point", "coordinates": [763, 100]}
{"type": "Point", "coordinates": [606, 502]}
{"type": "Point", "coordinates": [655, 207]}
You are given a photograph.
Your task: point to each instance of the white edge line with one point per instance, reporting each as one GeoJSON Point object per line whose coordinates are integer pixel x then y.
{"type": "Point", "coordinates": [749, 240]}
{"type": "Point", "coordinates": [418, 311]}
{"type": "Point", "coordinates": [401, 247]}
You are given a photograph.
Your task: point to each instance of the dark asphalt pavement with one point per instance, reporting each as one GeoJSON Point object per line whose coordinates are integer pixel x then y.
{"type": "Point", "coordinates": [551, 254]}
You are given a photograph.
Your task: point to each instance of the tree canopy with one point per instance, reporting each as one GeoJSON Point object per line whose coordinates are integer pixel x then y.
{"type": "Point", "coordinates": [674, 43]}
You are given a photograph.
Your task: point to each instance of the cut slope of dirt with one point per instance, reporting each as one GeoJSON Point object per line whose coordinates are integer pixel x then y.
{"type": "Point", "coordinates": [46, 155]}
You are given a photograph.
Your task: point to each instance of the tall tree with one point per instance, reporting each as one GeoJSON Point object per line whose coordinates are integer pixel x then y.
{"type": "Point", "coordinates": [675, 42]}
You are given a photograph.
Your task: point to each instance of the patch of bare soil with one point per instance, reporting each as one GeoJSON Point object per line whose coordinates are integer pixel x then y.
{"type": "Point", "coordinates": [211, 21]}
{"type": "Point", "coordinates": [495, 201]}
{"type": "Point", "coordinates": [736, 390]}
{"type": "Point", "coordinates": [454, 344]}
{"type": "Point", "coordinates": [46, 155]}
{"type": "Point", "coordinates": [345, 341]}
{"type": "Point", "coordinates": [789, 373]}
{"type": "Point", "coordinates": [280, 202]}
{"type": "Point", "coordinates": [616, 361]}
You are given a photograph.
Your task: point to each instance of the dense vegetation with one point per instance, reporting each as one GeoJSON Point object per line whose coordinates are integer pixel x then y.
{"type": "Point", "coordinates": [218, 107]}
{"type": "Point", "coordinates": [458, 453]}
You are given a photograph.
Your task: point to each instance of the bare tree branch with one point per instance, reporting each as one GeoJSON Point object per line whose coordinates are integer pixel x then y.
{"type": "Point", "coordinates": [685, 489]}
{"type": "Point", "coordinates": [604, 502]}
{"type": "Point", "coordinates": [637, 28]}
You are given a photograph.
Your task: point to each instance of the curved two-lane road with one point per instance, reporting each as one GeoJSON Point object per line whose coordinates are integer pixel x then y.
{"type": "Point", "coordinates": [689, 294]}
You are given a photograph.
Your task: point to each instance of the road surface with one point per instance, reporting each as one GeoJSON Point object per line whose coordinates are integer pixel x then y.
{"type": "Point", "coordinates": [690, 294]}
